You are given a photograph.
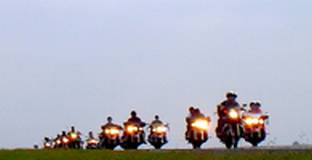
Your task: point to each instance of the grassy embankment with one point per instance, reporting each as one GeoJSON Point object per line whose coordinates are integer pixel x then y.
{"type": "Point", "coordinates": [155, 155]}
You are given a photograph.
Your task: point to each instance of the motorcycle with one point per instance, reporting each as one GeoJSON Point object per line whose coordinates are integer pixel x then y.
{"type": "Point", "coordinates": [110, 138]}
{"type": "Point", "coordinates": [74, 140]}
{"type": "Point", "coordinates": [57, 142]}
{"type": "Point", "coordinates": [133, 136]}
{"type": "Point", "coordinates": [158, 135]}
{"type": "Point", "coordinates": [92, 143]}
{"type": "Point", "coordinates": [48, 143]}
{"type": "Point", "coordinates": [232, 130]}
{"type": "Point", "coordinates": [198, 133]}
{"type": "Point", "coordinates": [63, 142]}
{"type": "Point", "coordinates": [254, 128]}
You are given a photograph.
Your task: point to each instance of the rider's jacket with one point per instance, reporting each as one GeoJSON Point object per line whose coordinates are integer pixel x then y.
{"type": "Point", "coordinates": [156, 122]}
{"type": "Point", "coordinates": [255, 111]}
{"type": "Point", "coordinates": [110, 125]}
{"type": "Point", "coordinates": [136, 120]}
{"type": "Point", "coordinates": [226, 105]}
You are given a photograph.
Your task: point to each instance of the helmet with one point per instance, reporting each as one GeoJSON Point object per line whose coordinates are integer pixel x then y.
{"type": "Point", "coordinates": [109, 119]}
{"type": "Point", "coordinates": [191, 109]}
{"type": "Point", "coordinates": [258, 103]}
{"type": "Point", "coordinates": [133, 113]}
{"type": "Point", "coordinates": [255, 103]}
{"type": "Point", "coordinates": [156, 117]}
{"type": "Point", "coordinates": [197, 110]}
{"type": "Point", "coordinates": [231, 94]}
{"type": "Point", "coordinates": [47, 139]}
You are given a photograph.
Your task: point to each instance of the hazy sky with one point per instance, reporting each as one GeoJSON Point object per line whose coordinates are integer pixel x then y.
{"type": "Point", "coordinates": [74, 62]}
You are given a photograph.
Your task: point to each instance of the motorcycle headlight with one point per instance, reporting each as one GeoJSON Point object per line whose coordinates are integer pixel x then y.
{"type": "Point", "coordinates": [114, 131]}
{"type": "Point", "coordinates": [58, 141]}
{"type": "Point", "coordinates": [160, 129]}
{"type": "Point", "coordinates": [261, 121]}
{"type": "Point", "coordinates": [132, 129]}
{"type": "Point", "coordinates": [73, 136]}
{"type": "Point", "coordinates": [253, 121]}
{"type": "Point", "coordinates": [201, 124]}
{"type": "Point", "coordinates": [233, 114]}
{"type": "Point", "coordinates": [47, 145]}
{"type": "Point", "coordinates": [65, 140]}
{"type": "Point", "coordinates": [248, 121]}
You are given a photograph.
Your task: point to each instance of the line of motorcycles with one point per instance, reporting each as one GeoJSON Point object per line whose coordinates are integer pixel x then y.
{"type": "Point", "coordinates": [240, 124]}
{"type": "Point", "coordinates": [129, 137]}
{"type": "Point", "coordinates": [237, 124]}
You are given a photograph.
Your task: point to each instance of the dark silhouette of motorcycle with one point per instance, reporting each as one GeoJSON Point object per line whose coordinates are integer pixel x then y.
{"type": "Point", "coordinates": [75, 141]}
{"type": "Point", "coordinates": [110, 138]}
{"type": "Point", "coordinates": [198, 133]}
{"type": "Point", "coordinates": [232, 130]}
{"type": "Point", "coordinates": [158, 135]}
{"type": "Point", "coordinates": [133, 135]}
{"type": "Point", "coordinates": [92, 143]}
{"type": "Point", "coordinates": [254, 128]}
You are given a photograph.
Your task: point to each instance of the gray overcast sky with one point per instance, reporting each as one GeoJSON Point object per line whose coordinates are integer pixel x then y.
{"type": "Point", "coordinates": [65, 62]}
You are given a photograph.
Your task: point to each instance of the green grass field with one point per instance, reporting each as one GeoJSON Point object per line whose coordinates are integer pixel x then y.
{"type": "Point", "coordinates": [155, 155]}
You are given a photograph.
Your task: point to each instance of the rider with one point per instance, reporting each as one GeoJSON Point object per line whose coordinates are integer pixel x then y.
{"type": "Point", "coordinates": [103, 135]}
{"type": "Point", "coordinates": [255, 107]}
{"type": "Point", "coordinates": [110, 124]}
{"type": "Point", "coordinates": [63, 134]}
{"type": "Point", "coordinates": [194, 113]}
{"type": "Point", "coordinates": [188, 120]}
{"type": "Point", "coordinates": [73, 132]}
{"type": "Point", "coordinates": [229, 103]}
{"type": "Point", "coordinates": [57, 141]}
{"type": "Point", "coordinates": [197, 113]}
{"type": "Point", "coordinates": [156, 122]}
{"type": "Point", "coordinates": [46, 139]}
{"type": "Point", "coordinates": [136, 120]}
{"type": "Point", "coordinates": [191, 114]}
{"type": "Point", "coordinates": [46, 142]}
{"type": "Point", "coordinates": [91, 135]}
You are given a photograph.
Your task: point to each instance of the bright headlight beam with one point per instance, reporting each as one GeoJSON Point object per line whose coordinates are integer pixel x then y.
{"type": "Point", "coordinates": [132, 129]}
{"type": "Point", "coordinates": [160, 129]}
{"type": "Point", "coordinates": [253, 121]}
{"type": "Point", "coordinates": [233, 114]}
{"type": "Point", "coordinates": [201, 124]}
